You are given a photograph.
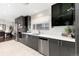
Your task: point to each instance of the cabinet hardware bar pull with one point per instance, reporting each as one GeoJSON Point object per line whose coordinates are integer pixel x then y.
{"type": "Point", "coordinates": [58, 43]}
{"type": "Point", "coordinates": [61, 43]}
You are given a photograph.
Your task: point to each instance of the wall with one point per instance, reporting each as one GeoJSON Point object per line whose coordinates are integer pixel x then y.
{"type": "Point", "coordinates": [41, 17]}
{"type": "Point", "coordinates": [44, 17]}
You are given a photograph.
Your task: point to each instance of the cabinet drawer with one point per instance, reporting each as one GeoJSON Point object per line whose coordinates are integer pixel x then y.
{"type": "Point", "coordinates": [66, 43]}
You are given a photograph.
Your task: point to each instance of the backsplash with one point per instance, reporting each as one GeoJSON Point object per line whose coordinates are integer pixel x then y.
{"type": "Point", "coordinates": [58, 30]}
{"type": "Point", "coordinates": [46, 18]}
{"type": "Point", "coordinates": [41, 26]}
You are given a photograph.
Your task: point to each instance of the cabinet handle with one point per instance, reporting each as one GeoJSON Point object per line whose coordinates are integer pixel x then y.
{"type": "Point", "coordinates": [43, 38]}
{"type": "Point", "coordinates": [61, 43]}
{"type": "Point", "coordinates": [58, 43]}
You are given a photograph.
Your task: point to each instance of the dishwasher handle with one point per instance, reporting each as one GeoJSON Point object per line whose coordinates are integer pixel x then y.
{"type": "Point", "coordinates": [41, 38]}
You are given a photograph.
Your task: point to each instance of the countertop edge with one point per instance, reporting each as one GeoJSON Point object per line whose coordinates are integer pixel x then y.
{"type": "Point", "coordinates": [51, 37]}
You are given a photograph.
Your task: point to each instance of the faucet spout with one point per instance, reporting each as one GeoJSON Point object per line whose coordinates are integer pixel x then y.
{"type": "Point", "coordinates": [39, 32]}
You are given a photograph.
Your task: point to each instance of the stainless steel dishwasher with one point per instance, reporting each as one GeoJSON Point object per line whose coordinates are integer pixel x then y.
{"type": "Point", "coordinates": [43, 46]}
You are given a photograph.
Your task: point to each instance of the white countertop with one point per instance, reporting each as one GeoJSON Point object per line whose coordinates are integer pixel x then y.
{"type": "Point", "coordinates": [53, 37]}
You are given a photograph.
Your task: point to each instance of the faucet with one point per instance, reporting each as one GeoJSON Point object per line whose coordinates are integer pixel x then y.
{"type": "Point", "coordinates": [39, 32]}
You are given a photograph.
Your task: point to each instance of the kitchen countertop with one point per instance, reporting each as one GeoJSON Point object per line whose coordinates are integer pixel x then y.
{"type": "Point", "coordinates": [52, 36]}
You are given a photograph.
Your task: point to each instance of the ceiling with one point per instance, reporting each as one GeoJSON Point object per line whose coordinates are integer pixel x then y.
{"type": "Point", "coordinates": [9, 11]}
{"type": "Point", "coordinates": [37, 7]}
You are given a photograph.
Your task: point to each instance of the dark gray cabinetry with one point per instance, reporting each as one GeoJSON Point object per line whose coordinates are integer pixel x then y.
{"type": "Point", "coordinates": [77, 27]}
{"type": "Point", "coordinates": [33, 42]}
{"type": "Point", "coordinates": [61, 48]}
{"type": "Point", "coordinates": [54, 47]}
{"type": "Point", "coordinates": [27, 23]}
{"type": "Point", "coordinates": [24, 39]}
{"type": "Point", "coordinates": [49, 47]}
{"type": "Point", "coordinates": [20, 21]}
{"type": "Point", "coordinates": [77, 51]}
{"type": "Point", "coordinates": [20, 27]}
{"type": "Point", "coordinates": [67, 48]}
{"type": "Point", "coordinates": [23, 24]}
{"type": "Point", "coordinates": [30, 41]}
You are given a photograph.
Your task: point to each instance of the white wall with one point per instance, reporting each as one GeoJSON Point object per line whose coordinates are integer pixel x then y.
{"type": "Point", "coordinates": [41, 17]}
{"type": "Point", "coordinates": [45, 16]}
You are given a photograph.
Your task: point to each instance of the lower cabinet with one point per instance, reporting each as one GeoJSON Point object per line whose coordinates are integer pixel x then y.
{"type": "Point", "coordinates": [67, 48]}
{"type": "Point", "coordinates": [33, 42]}
{"type": "Point", "coordinates": [49, 47]}
{"type": "Point", "coordinates": [22, 40]}
{"type": "Point", "coordinates": [30, 41]}
{"type": "Point", "coordinates": [61, 48]}
{"type": "Point", "coordinates": [53, 47]}
{"type": "Point", "coordinates": [77, 51]}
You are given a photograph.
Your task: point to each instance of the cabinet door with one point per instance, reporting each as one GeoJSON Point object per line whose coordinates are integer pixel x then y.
{"type": "Point", "coordinates": [77, 51]}
{"type": "Point", "coordinates": [67, 48]}
{"type": "Point", "coordinates": [35, 42]}
{"type": "Point", "coordinates": [54, 47]}
{"type": "Point", "coordinates": [77, 26]}
{"type": "Point", "coordinates": [31, 41]}
{"type": "Point", "coordinates": [24, 39]}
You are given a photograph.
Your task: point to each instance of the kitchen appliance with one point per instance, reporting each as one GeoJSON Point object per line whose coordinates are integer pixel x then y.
{"type": "Point", "coordinates": [62, 14]}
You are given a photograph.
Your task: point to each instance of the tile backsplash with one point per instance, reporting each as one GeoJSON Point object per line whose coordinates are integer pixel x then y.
{"type": "Point", "coordinates": [45, 19]}
{"type": "Point", "coordinates": [43, 26]}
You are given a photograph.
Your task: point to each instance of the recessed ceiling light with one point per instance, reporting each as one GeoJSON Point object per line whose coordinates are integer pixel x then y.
{"type": "Point", "coordinates": [25, 3]}
{"type": "Point", "coordinates": [39, 15]}
{"type": "Point", "coordinates": [9, 5]}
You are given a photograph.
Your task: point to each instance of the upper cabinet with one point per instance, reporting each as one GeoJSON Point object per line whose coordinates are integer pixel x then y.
{"type": "Point", "coordinates": [23, 23]}
{"type": "Point", "coordinates": [28, 22]}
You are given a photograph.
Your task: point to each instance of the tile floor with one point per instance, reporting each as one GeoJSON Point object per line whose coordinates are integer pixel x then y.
{"type": "Point", "coordinates": [14, 48]}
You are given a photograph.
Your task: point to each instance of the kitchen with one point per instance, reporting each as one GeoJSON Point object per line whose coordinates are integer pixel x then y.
{"type": "Point", "coordinates": [46, 37]}
{"type": "Point", "coordinates": [50, 29]}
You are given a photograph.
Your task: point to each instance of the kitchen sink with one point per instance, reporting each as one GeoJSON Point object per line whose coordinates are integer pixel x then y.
{"type": "Point", "coordinates": [35, 33]}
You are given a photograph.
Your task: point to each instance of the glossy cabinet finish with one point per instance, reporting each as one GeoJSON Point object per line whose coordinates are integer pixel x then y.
{"type": "Point", "coordinates": [30, 41]}
{"type": "Point", "coordinates": [54, 47]}
{"type": "Point", "coordinates": [61, 48]}
{"type": "Point", "coordinates": [77, 27]}
{"type": "Point", "coordinates": [49, 47]}
{"type": "Point", "coordinates": [67, 48]}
